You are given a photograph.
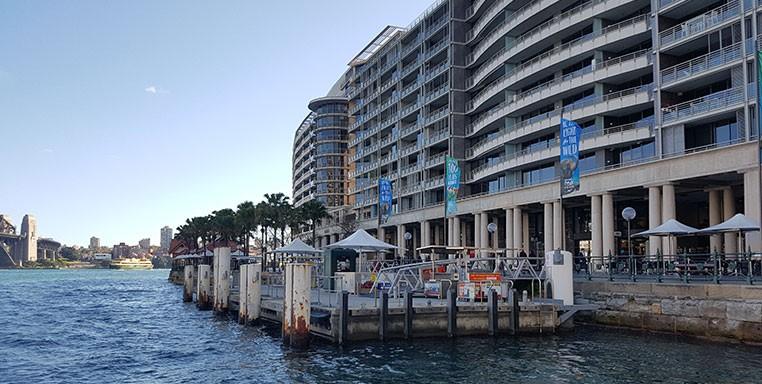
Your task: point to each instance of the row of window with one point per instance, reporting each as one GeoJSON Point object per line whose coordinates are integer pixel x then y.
{"type": "Point", "coordinates": [326, 148]}
{"type": "Point", "coordinates": [332, 121]}
{"type": "Point", "coordinates": [332, 108]}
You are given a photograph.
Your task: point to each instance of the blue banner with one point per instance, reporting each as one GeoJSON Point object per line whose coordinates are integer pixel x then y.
{"type": "Point", "coordinates": [452, 184]}
{"type": "Point", "coordinates": [384, 200]}
{"type": "Point", "coordinates": [570, 134]}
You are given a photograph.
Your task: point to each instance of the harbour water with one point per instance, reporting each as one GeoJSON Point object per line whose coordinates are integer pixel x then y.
{"type": "Point", "coordinates": [110, 326]}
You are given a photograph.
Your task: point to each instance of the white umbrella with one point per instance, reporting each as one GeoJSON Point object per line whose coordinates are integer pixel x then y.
{"type": "Point", "coordinates": [670, 228]}
{"type": "Point", "coordinates": [297, 247]}
{"type": "Point", "coordinates": [736, 224]}
{"type": "Point", "coordinates": [362, 241]}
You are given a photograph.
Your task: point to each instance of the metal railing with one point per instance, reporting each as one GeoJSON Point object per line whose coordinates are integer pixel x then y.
{"type": "Point", "coordinates": [717, 268]}
{"type": "Point", "coordinates": [712, 102]}
{"type": "Point", "coordinates": [701, 64]}
{"type": "Point", "coordinates": [700, 23]}
{"type": "Point", "coordinates": [488, 16]}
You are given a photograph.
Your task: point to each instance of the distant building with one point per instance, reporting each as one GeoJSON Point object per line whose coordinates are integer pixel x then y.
{"type": "Point", "coordinates": [145, 244]}
{"type": "Point", "coordinates": [166, 238]}
{"type": "Point", "coordinates": [120, 251]}
{"type": "Point", "coordinates": [101, 256]}
{"type": "Point", "coordinates": [28, 249]}
{"type": "Point", "coordinates": [95, 243]}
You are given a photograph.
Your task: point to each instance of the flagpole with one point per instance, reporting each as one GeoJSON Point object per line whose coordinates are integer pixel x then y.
{"type": "Point", "coordinates": [561, 182]}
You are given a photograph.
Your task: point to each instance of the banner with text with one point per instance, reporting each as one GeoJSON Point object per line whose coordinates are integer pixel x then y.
{"type": "Point", "coordinates": [452, 184]}
{"type": "Point", "coordinates": [570, 134]}
{"type": "Point", "coordinates": [384, 200]}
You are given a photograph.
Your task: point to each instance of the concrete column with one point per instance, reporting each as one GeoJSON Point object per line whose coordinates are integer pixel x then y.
{"type": "Point", "coordinates": [751, 206]}
{"type": "Point", "coordinates": [423, 234]}
{"type": "Point", "coordinates": [509, 231]}
{"type": "Point", "coordinates": [335, 238]}
{"type": "Point", "coordinates": [654, 218]}
{"type": "Point", "coordinates": [483, 230]}
{"type": "Point", "coordinates": [188, 283]}
{"type": "Point", "coordinates": [381, 235]}
{"type": "Point", "coordinates": [296, 305]}
{"type": "Point", "coordinates": [427, 225]}
{"type": "Point", "coordinates": [715, 217]}
{"type": "Point", "coordinates": [477, 230]}
{"type": "Point", "coordinates": [596, 218]}
{"type": "Point", "coordinates": [222, 284]}
{"type": "Point", "coordinates": [253, 292]}
{"type": "Point", "coordinates": [401, 240]}
{"type": "Point", "coordinates": [456, 231]}
{"type": "Point", "coordinates": [525, 230]}
{"type": "Point", "coordinates": [558, 235]}
{"type": "Point", "coordinates": [668, 212]}
{"type": "Point", "coordinates": [204, 290]}
{"type": "Point", "coordinates": [243, 305]}
{"type": "Point", "coordinates": [607, 224]}
{"type": "Point", "coordinates": [518, 231]}
{"type": "Point", "coordinates": [728, 211]}
{"type": "Point", "coordinates": [547, 224]}
{"type": "Point", "coordinates": [437, 235]}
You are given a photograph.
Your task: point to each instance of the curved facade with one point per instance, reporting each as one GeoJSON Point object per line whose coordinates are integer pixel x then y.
{"type": "Point", "coordinates": [303, 162]}
{"type": "Point", "coordinates": [330, 132]}
{"type": "Point", "coordinates": [664, 90]}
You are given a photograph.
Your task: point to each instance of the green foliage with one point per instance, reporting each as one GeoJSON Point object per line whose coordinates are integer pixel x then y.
{"type": "Point", "coordinates": [70, 253]}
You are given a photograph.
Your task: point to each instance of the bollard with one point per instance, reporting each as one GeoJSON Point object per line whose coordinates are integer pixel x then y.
{"type": "Point", "coordinates": [188, 284]}
{"type": "Point", "coordinates": [296, 305]}
{"type": "Point", "coordinates": [408, 313]}
{"type": "Point", "coordinates": [513, 299]}
{"type": "Point", "coordinates": [253, 292]}
{"type": "Point", "coordinates": [243, 305]}
{"type": "Point", "coordinates": [203, 295]}
{"type": "Point", "coordinates": [343, 316]}
{"type": "Point", "coordinates": [383, 316]}
{"type": "Point", "coordinates": [222, 281]}
{"type": "Point", "coordinates": [452, 313]}
{"type": "Point", "coordinates": [492, 312]}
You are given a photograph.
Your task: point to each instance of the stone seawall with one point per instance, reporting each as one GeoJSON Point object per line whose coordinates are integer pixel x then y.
{"type": "Point", "coordinates": [706, 310]}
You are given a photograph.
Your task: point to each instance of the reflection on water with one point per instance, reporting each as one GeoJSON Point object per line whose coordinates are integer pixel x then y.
{"type": "Point", "coordinates": [131, 327]}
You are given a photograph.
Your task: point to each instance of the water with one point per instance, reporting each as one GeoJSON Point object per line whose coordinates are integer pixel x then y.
{"type": "Point", "coordinates": [102, 326]}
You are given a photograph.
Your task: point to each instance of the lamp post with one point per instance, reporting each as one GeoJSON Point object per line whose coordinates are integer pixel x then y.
{"type": "Point", "coordinates": [492, 228]}
{"type": "Point", "coordinates": [628, 214]}
{"type": "Point", "coordinates": [407, 237]}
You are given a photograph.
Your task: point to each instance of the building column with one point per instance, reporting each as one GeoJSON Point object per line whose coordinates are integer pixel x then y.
{"type": "Point", "coordinates": [477, 230]}
{"type": "Point", "coordinates": [715, 217]}
{"type": "Point", "coordinates": [596, 248]}
{"type": "Point", "coordinates": [484, 242]}
{"type": "Point", "coordinates": [401, 240]}
{"type": "Point", "coordinates": [381, 235]}
{"type": "Point", "coordinates": [751, 207]}
{"type": "Point", "coordinates": [654, 219]}
{"type": "Point", "coordinates": [607, 224]}
{"type": "Point", "coordinates": [668, 212]}
{"type": "Point", "coordinates": [558, 235]}
{"type": "Point", "coordinates": [437, 235]}
{"type": "Point", "coordinates": [509, 231]}
{"type": "Point", "coordinates": [456, 231]}
{"type": "Point", "coordinates": [728, 210]}
{"type": "Point", "coordinates": [449, 231]}
{"type": "Point", "coordinates": [518, 230]}
{"type": "Point", "coordinates": [547, 224]}
{"type": "Point", "coordinates": [424, 233]}
{"type": "Point", "coordinates": [525, 230]}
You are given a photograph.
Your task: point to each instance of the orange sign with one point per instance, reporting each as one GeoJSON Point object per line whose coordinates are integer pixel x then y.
{"type": "Point", "coordinates": [484, 276]}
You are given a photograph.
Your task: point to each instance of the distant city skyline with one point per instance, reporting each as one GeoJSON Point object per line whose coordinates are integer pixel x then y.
{"type": "Point", "coordinates": [100, 106]}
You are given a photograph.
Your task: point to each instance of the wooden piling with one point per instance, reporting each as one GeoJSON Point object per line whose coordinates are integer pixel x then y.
{"type": "Point", "coordinates": [492, 313]}
{"type": "Point", "coordinates": [452, 312]}
{"type": "Point", "coordinates": [513, 300]}
{"type": "Point", "coordinates": [222, 284]}
{"type": "Point", "coordinates": [243, 304]}
{"type": "Point", "coordinates": [383, 318]}
{"type": "Point", "coordinates": [253, 292]}
{"type": "Point", "coordinates": [343, 316]}
{"type": "Point", "coordinates": [296, 305]}
{"type": "Point", "coordinates": [203, 294]}
{"type": "Point", "coordinates": [188, 284]}
{"type": "Point", "coordinates": [408, 314]}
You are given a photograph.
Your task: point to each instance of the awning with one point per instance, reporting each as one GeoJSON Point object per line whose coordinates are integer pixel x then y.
{"type": "Point", "coordinates": [362, 241]}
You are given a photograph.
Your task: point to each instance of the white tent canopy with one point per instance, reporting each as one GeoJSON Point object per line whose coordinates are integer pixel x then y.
{"type": "Point", "coordinates": [362, 241]}
{"type": "Point", "coordinates": [670, 227]}
{"type": "Point", "coordinates": [297, 247]}
{"type": "Point", "coordinates": [737, 223]}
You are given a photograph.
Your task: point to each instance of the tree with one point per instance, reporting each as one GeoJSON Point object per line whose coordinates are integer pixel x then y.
{"type": "Point", "coordinates": [223, 224]}
{"type": "Point", "coordinates": [348, 225]}
{"type": "Point", "coordinates": [280, 208]}
{"type": "Point", "coordinates": [71, 253]}
{"type": "Point", "coordinates": [248, 221]}
{"type": "Point", "coordinates": [313, 211]}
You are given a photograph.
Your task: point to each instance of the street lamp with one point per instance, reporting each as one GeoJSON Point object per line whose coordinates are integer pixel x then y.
{"type": "Point", "coordinates": [407, 237]}
{"type": "Point", "coordinates": [629, 214]}
{"type": "Point", "coordinates": [492, 228]}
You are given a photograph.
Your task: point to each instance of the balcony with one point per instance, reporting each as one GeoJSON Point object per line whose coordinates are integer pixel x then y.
{"type": "Point", "coordinates": [700, 24]}
{"type": "Point", "coordinates": [410, 88]}
{"type": "Point", "coordinates": [437, 70]}
{"type": "Point", "coordinates": [437, 136]}
{"type": "Point", "coordinates": [436, 182]}
{"type": "Point", "coordinates": [585, 43]}
{"type": "Point", "coordinates": [410, 169]}
{"type": "Point", "coordinates": [471, 11]}
{"type": "Point", "coordinates": [702, 64]}
{"type": "Point", "coordinates": [436, 93]}
{"type": "Point", "coordinates": [409, 129]}
{"type": "Point", "coordinates": [435, 160]}
{"type": "Point", "coordinates": [436, 48]}
{"type": "Point", "coordinates": [411, 66]}
{"type": "Point", "coordinates": [409, 149]}
{"type": "Point", "coordinates": [707, 105]}
{"type": "Point", "coordinates": [436, 115]}
{"type": "Point", "coordinates": [436, 25]}
{"type": "Point", "coordinates": [486, 18]}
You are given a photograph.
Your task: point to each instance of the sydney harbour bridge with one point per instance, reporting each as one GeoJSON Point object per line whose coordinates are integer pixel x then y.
{"type": "Point", "coordinates": [17, 249]}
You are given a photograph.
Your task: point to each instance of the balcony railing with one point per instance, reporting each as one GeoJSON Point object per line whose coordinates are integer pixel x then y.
{"type": "Point", "coordinates": [500, 29]}
{"type": "Point", "coordinates": [470, 11]}
{"type": "Point", "coordinates": [436, 48]}
{"type": "Point", "coordinates": [436, 93]}
{"type": "Point", "coordinates": [496, 8]}
{"type": "Point", "coordinates": [438, 114]}
{"type": "Point", "coordinates": [702, 105]}
{"type": "Point", "coordinates": [437, 70]}
{"type": "Point", "coordinates": [701, 64]}
{"type": "Point", "coordinates": [436, 160]}
{"type": "Point", "coordinates": [700, 23]}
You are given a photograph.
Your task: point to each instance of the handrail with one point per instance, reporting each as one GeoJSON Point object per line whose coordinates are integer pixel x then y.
{"type": "Point", "coordinates": [703, 104]}
{"type": "Point", "coordinates": [702, 63]}
{"type": "Point", "coordinates": [486, 18]}
{"type": "Point", "coordinates": [700, 23]}
{"type": "Point", "coordinates": [486, 43]}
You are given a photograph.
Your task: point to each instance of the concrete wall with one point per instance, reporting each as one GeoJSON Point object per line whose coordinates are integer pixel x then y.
{"type": "Point", "coordinates": [707, 310]}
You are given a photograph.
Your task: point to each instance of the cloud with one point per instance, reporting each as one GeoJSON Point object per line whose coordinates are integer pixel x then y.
{"type": "Point", "coordinates": [46, 150]}
{"type": "Point", "coordinates": [155, 90]}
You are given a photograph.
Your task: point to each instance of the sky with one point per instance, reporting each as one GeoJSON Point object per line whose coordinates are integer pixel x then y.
{"type": "Point", "coordinates": [120, 117]}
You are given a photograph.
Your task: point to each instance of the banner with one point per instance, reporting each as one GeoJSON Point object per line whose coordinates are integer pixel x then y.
{"type": "Point", "coordinates": [384, 200]}
{"type": "Point", "coordinates": [570, 134]}
{"type": "Point", "coordinates": [759, 97]}
{"type": "Point", "coordinates": [452, 184]}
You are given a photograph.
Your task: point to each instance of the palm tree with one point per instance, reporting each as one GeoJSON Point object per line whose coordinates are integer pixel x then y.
{"type": "Point", "coordinates": [313, 211]}
{"type": "Point", "coordinates": [248, 220]}
{"type": "Point", "coordinates": [224, 225]}
{"type": "Point", "coordinates": [279, 214]}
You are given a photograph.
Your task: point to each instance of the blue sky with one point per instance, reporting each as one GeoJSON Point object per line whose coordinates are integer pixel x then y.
{"type": "Point", "coordinates": [120, 117]}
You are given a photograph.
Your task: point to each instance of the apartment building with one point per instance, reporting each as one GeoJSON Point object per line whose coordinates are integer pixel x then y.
{"type": "Point", "coordinates": [665, 92]}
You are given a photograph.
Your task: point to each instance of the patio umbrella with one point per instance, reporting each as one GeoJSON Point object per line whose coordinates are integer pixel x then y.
{"type": "Point", "coordinates": [737, 224]}
{"type": "Point", "coordinates": [361, 242]}
{"type": "Point", "coordinates": [670, 228]}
